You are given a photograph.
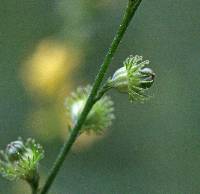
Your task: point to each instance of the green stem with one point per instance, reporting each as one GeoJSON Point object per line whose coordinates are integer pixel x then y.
{"type": "Point", "coordinates": [34, 183]}
{"type": "Point", "coordinates": [130, 10]}
{"type": "Point", "coordinates": [34, 190]}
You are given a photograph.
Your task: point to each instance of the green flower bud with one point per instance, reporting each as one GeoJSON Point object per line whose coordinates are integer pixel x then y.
{"type": "Point", "coordinates": [133, 78]}
{"type": "Point", "coordinates": [99, 118]}
{"type": "Point", "coordinates": [20, 160]}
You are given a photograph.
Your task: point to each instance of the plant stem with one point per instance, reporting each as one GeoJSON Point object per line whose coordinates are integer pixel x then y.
{"type": "Point", "coordinates": [34, 183]}
{"type": "Point", "coordinates": [130, 10]}
{"type": "Point", "coordinates": [34, 190]}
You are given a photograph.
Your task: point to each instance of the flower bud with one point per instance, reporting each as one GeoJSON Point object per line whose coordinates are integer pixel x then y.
{"type": "Point", "coordinates": [14, 149]}
{"type": "Point", "coordinates": [20, 160]}
{"type": "Point", "coordinates": [99, 118]}
{"type": "Point", "coordinates": [133, 78]}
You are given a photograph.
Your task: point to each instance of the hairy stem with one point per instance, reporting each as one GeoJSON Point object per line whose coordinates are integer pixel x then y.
{"type": "Point", "coordinates": [130, 10]}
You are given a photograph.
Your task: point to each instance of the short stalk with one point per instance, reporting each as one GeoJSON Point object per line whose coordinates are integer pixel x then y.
{"type": "Point", "coordinates": [34, 190]}
{"type": "Point", "coordinates": [33, 181]}
{"type": "Point", "coordinates": [34, 186]}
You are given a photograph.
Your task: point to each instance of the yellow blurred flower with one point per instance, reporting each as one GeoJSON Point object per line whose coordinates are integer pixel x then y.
{"type": "Point", "coordinates": [49, 67]}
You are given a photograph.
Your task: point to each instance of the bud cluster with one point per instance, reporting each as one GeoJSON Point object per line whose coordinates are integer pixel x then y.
{"type": "Point", "coordinates": [20, 160]}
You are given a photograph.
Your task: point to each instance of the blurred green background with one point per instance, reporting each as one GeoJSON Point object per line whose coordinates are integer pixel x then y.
{"type": "Point", "coordinates": [49, 47]}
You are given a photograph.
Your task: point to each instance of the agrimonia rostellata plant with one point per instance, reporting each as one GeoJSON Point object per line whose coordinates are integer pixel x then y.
{"type": "Point", "coordinates": [88, 109]}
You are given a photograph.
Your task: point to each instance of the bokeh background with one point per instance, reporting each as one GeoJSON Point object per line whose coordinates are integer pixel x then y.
{"type": "Point", "coordinates": [49, 47]}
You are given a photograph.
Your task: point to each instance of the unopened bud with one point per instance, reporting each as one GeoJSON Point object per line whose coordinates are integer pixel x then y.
{"type": "Point", "coordinates": [20, 160]}
{"type": "Point", "coordinates": [133, 78]}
